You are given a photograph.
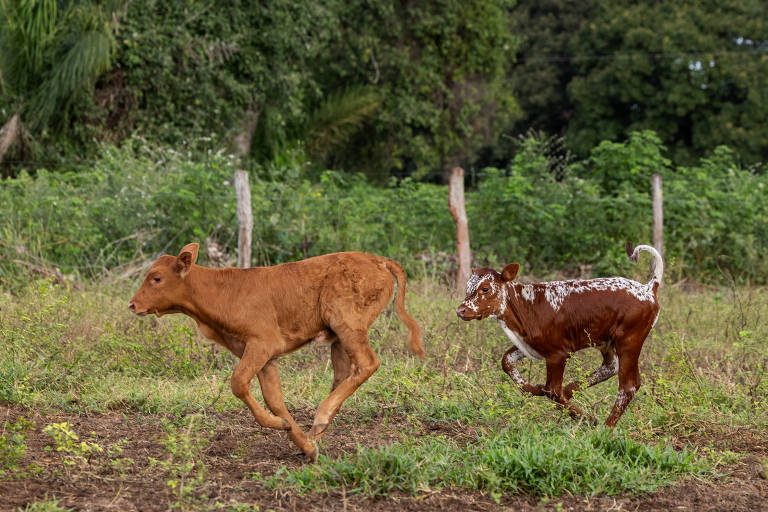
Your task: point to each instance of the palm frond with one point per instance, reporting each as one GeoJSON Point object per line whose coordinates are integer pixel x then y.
{"type": "Point", "coordinates": [339, 117]}
{"type": "Point", "coordinates": [81, 52]}
{"type": "Point", "coordinates": [27, 28]}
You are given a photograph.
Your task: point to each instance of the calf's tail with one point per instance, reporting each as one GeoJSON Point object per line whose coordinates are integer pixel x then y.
{"type": "Point", "coordinates": [414, 340]}
{"type": "Point", "coordinates": [657, 267]}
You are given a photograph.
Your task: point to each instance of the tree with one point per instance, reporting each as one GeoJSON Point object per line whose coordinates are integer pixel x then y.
{"type": "Point", "coordinates": [51, 54]}
{"type": "Point", "coordinates": [231, 70]}
{"type": "Point", "coordinates": [546, 62]}
{"type": "Point", "coordinates": [440, 69]}
{"type": "Point", "coordinates": [694, 72]}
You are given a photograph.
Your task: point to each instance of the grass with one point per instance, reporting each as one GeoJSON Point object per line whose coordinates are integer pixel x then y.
{"type": "Point", "coordinates": [458, 422]}
{"type": "Point", "coordinates": [545, 463]}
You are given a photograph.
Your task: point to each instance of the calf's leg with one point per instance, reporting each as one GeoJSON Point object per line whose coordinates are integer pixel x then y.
{"type": "Point", "coordinates": [553, 389]}
{"type": "Point", "coordinates": [509, 365]}
{"type": "Point", "coordinates": [355, 343]}
{"type": "Point", "coordinates": [269, 379]}
{"type": "Point", "coordinates": [629, 378]}
{"type": "Point", "coordinates": [342, 366]}
{"type": "Point", "coordinates": [253, 360]}
{"type": "Point", "coordinates": [608, 369]}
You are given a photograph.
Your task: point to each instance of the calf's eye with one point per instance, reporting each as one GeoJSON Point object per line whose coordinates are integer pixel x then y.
{"type": "Point", "coordinates": [485, 289]}
{"type": "Point", "coordinates": [156, 279]}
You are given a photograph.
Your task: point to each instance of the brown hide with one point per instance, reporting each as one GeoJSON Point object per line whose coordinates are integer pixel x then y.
{"type": "Point", "coordinates": [261, 313]}
{"type": "Point", "coordinates": [551, 320]}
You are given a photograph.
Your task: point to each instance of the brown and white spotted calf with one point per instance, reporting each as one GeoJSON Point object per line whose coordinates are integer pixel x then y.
{"type": "Point", "coordinates": [551, 320]}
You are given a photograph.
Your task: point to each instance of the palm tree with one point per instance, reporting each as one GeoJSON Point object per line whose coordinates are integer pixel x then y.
{"type": "Point", "coordinates": [327, 126]}
{"type": "Point", "coordinates": [51, 53]}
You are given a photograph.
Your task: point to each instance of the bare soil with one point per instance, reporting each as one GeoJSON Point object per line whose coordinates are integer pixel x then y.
{"type": "Point", "coordinates": [239, 449]}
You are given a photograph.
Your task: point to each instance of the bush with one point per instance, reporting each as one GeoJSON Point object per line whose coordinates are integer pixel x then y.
{"type": "Point", "coordinates": [136, 203]}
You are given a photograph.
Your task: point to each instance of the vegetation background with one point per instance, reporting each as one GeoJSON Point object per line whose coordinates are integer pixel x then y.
{"type": "Point", "coordinates": [123, 122]}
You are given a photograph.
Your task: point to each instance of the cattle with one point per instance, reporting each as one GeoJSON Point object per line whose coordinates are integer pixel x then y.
{"type": "Point", "coordinates": [261, 313]}
{"type": "Point", "coordinates": [552, 320]}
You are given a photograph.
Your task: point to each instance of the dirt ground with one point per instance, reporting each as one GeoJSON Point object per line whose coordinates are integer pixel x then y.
{"type": "Point", "coordinates": [239, 448]}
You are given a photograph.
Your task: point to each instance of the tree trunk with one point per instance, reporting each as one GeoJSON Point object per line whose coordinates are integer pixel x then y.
{"type": "Point", "coordinates": [244, 138]}
{"type": "Point", "coordinates": [9, 134]}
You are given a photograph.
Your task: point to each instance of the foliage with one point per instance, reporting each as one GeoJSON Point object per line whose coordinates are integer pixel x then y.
{"type": "Point", "coordinates": [184, 470]}
{"type": "Point", "coordinates": [617, 165]}
{"type": "Point", "coordinates": [68, 444]}
{"type": "Point", "coordinates": [46, 506]}
{"type": "Point", "coordinates": [51, 54]}
{"type": "Point", "coordinates": [126, 204]}
{"type": "Point", "coordinates": [552, 215]}
{"type": "Point", "coordinates": [13, 444]}
{"type": "Point", "coordinates": [385, 88]}
{"type": "Point", "coordinates": [187, 70]}
{"type": "Point", "coordinates": [716, 218]}
{"type": "Point", "coordinates": [561, 461]}
{"type": "Point", "coordinates": [547, 60]}
{"type": "Point", "coordinates": [550, 224]}
{"type": "Point", "coordinates": [440, 70]}
{"type": "Point", "coordinates": [696, 75]}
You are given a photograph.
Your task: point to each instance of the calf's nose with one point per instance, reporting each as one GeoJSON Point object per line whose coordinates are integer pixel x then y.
{"type": "Point", "coordinates": [132, 306]}
{"type": "Point", "coordinates": [461, 310]}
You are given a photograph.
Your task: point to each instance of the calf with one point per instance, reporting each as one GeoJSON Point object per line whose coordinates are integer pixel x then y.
{"type": "Point", "coordinates": [260, 313]}
{"type": "Point", "coordinates": [551, 320]}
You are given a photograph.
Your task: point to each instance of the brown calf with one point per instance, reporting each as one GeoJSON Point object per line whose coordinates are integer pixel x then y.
{"type": "Point", "coordinates": [261, 313]}
{"type": "Point", "coordinates": [551, 320]}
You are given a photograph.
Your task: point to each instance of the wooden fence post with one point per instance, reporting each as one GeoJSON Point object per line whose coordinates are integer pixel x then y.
{"type": "Point", "coordinates": [244, 219]}
{"type": "Point", "coordinates": [658, 214]}
{"type": "Point", "coordinates": [459, 214]}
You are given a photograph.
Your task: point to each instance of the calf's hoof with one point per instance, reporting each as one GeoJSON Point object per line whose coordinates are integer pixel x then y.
{"type": "Point", "coordinates": [534, 389]}
{"type": "Point", "coordinates": [312, 453]}
{"type": "Point", "coordinates": [569, 389]}
{"type": "Point", "coordinates": [317, 430]}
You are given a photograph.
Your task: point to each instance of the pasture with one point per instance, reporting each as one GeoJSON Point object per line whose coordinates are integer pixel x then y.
{"type": "Point", "coordinates": [101, 410]}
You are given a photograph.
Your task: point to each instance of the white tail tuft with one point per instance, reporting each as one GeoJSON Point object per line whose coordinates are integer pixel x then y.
{"type": "Point", "coordinates": [658, 264]}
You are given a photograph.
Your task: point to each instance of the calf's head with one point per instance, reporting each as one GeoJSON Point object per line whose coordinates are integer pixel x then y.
{"type": "Point", "coordinates": [164, 287]}
{"type": "Point", "coordinates": [486, 292]}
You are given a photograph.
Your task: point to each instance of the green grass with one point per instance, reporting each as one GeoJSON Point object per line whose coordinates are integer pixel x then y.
{"type": "Point", "coordinates": [547, 462]}
{"type": "Point", "coordinates": [45, 506]}
{"type": "Point", "coordinates": [704, 377]}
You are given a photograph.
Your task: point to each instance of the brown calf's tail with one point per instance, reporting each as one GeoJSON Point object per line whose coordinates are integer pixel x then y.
{"type": "Point", "coordinates": [414, 341]}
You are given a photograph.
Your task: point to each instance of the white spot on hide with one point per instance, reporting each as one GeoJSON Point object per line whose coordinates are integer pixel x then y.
{"type": "Point", "coordinates": [519, 342]}
{"type": "Point", "coordinates": [557, 291]}
{"type": "Point", "coordinates": [510, 359]}
{"type": "Point", "coordinates": [528, 292]}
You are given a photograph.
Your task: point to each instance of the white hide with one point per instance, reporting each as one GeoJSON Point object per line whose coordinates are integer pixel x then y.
{"type": "Point", "coordinates": [557, 291]}
{"type": "Point", "coordinates": [519, 342]}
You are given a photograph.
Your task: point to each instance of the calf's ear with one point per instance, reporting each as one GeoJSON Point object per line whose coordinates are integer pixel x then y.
{"type": "Point", "coordinates": [186, 258]}
{"type": "Point", "coordinates": [510, 271]}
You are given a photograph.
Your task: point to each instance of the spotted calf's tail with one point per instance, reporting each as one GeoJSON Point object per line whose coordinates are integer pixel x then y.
{"type": "Point", "coordinates": [657, 267]}
{"type": "Point", "coordinates": [414, 339]}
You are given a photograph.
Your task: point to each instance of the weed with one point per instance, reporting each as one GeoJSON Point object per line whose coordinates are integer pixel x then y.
{"type": "Point", "coordinates": [68, 444]}
{"type": "Point", "coordinates": [46, 506]}
{"type": "Point", "coordinates": [13, 444]}
{"type": "Point", "coordinates": [184, 469]}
